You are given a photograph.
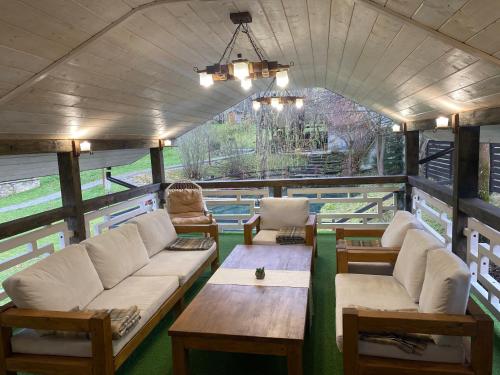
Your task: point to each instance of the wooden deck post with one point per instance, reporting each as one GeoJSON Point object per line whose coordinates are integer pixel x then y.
{"type": "Point", "coordinates": [465, 181]}
{"type": "Point", "coordinates": [71, 193]}
{"type": "Point", "coordinates": [411, 158]}
{"type": "Point", "coordinates": [158, 171]}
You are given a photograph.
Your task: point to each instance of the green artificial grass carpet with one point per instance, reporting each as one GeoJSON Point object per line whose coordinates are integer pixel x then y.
{"type": "Point", "coordinates": [321, 356]}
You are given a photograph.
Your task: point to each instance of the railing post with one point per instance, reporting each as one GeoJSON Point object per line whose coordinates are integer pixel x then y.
{"type": "Point", "coordinates": [277, 191]}
{"type": "Point", "coordinates": [465, 181]}
{"type": "Point", "coordinates": [411, 158]}
{"type": "Point", "coordinates": [158, 171]}
{"type": "Point", "coordinates": [71, 193]}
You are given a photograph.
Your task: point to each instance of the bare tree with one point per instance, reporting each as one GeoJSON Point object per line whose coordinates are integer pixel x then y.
{"type": "Point", "coordinates": [193, 152]}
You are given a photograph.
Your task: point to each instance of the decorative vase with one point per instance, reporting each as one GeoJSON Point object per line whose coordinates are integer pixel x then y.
{"type": "Point", "coordinates": [260, 273]}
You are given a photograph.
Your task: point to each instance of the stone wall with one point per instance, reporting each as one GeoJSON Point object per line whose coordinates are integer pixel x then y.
{"type": "Point", "coordinates": [9, 188]}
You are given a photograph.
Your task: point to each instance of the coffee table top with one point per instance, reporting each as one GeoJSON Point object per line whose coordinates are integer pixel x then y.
{"type": "Point", "coordinates": [251, 312]}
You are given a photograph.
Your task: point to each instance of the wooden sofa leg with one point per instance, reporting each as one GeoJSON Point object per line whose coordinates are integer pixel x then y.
{"type": "Point", "coordinates": [179, 306]}
{"type": "Point", "coordinates": [102, 347]}
{"type": "Point", "coordinates": [5, 350]}
{"type": "Point", "coordinates": [482, 346]}
{"type": "Point", "coordinates": [350, 340]}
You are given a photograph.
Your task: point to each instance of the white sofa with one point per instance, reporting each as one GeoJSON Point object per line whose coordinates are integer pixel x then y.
{"type": "Point", "coordinates": [426, 280]}
{"type": "Point", "coordinates": [119, 268]}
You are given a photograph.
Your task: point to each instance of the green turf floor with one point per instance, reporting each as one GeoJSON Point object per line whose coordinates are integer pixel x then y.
{"type": "Point", "coordinates": [321, 356]}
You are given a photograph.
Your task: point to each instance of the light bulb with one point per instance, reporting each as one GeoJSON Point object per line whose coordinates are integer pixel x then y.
{"type": "Point", "coordinates": [240, 69]}
{"type": "Point", "coordinates": [396, 128]}
{"type": "Point", "coordinates": [442, 122]}
{"type": "Point", "coordinates": [299, 103]}
{"type": "Point", "coordinates": [280, 107]}
{"type": "Point", "coordinates": [85, 146]}
{"type": "Point", "coordinates": [168, 142]}
{"type": "Point", "coordinates": [246, 84]}
{"type": "Point", "coordinates": [275, 102]}
{"type": "Point", "coordinates": [206, 80]}
{"type": "Point", "coordinates": [256, 105]}
{"type": "Point", "coordinates": [282, 78]}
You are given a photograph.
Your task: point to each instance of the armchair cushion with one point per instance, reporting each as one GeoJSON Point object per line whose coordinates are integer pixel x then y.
{"type": "Point", "coordinates": [188, 200]}
{"type": "Point", "coordinates": [395, 233]}
{"type": "Point", "coordinates": [156, 230]}
{"type": "Point", "coordinates": [60, 282]}
{"type": "Point", "coordinates": [265, 237]}
{"type": "Point", "coordinates": [117, 254]}
{"type": "Point", "coordinates": [277, 213]}
{"type": "Point", "coordinates": [409, 269]}
{"type": "Point", "coordinates": [446, 288]}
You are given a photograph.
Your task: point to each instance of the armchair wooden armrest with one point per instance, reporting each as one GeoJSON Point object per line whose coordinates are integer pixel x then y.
{"type": "Point", "coordinates": [311, 229]}
{"type": "Point", "coordinates": [342, 233]}
{"type": "Point", "coordinates": [372, 254]}
{"type": "Point", "coordinates": [479, 327]}
{"type": "Point", "coordinates": [253, 222]}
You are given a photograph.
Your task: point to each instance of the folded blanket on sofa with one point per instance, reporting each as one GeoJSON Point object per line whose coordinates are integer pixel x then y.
{"type": "Point", "coordinates": [411, 343]}
{"type": "Point", "coordinates": [291, 236]}
{"type": "Point", "coordinates": [187, 244]}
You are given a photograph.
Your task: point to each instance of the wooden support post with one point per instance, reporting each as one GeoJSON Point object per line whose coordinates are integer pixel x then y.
{"type": "Point", "coordinates": [465, 182]}
{"type": "Point", "coordinates": [411, 158]}
{"type": "Point", "coordinates": [158, 171]}
{"type": "Point", "coordinates": [277, 191]}
{"type": "Point", "coordinates": [71, 193]}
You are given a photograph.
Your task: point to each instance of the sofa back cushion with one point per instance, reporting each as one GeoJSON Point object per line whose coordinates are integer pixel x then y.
{"type": "Point", "coordinates": [446, 288]}
{"type": "Point", "coordinates": [188, 200]}
{"type": "Point", "coordinates": [395, 233]}
{"type": "Point", "coordinates": [156, 230]}
{"type": "Point", "coordinates": [63, 281]}
{"type": "Point", "coordinates": [409, 269]}
{"type": "Point", "coordinates": [117, 254]}
{"type": "Point", "coordinates": [276, 213]}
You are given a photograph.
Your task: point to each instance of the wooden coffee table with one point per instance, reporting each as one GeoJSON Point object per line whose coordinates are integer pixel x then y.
{"type": "Point", "coordinates": [248, 319]}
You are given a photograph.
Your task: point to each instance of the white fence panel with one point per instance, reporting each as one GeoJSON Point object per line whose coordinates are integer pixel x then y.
{"type": "Point", "coordinates": [100, 220]}
{"type": "Point", "coordinates": [433, 213]}
{"type": "Point", "coordinates": [483, 256]}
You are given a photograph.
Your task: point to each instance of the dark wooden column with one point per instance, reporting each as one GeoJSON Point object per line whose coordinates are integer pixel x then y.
{"type": "Point", "coordinates": [465, 181]}
{"type": "Point", "coordinates": [412, 145]}
{"type": "Point", "coordinates": [158, 171]}
{"type": "Point", "coordinates": [71, 193]}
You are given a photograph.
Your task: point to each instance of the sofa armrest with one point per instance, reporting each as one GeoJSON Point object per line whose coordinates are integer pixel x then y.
{"type": "Point", "coordinates": [372, 254]}
{"type": "Point", "coordinates": [253, 222]}
{"type": "Point", "coordinates": [311, 230]}
{"type": "Point", "coordinates": [342, 233]}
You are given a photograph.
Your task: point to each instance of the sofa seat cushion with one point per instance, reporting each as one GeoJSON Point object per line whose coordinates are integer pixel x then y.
{"type": "Point", "coordinates": [265, 237]}
{"type": "Point", "coordinates": [148, 293]}
{"type": "Point", "coordinates": [61, 282]}
{"type": "Point", "coordinates": [371, 268]}
{"type": "Point", "coordinates": [117, 253]}
{"type": "Point", "coordinates": [395, 233]}
{"type": "Point", "coordinates": [374, 292]}
{"type": "Point", "coordinates": [156, 230]}
{"type": "Point", "coordinates": [409, 269]}
{"type": "Point", "coordinates": [182, 264]}
{"type": "Point", "coordinates": [276, 213]}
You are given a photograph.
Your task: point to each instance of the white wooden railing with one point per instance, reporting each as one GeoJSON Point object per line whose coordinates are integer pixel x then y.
{"type": "Point", "coordinates": [483, 252]}
{"type": "Point", "coordinates": [23, 250]}
{"type": "Point", "coordinates": [100, 220]}
{"type": "Point", "coordinates": [435, 215]}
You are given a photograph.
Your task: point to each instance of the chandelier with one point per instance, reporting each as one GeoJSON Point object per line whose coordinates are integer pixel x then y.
{"type": "Point", "coordinates": [277, 101]}
{"type": "Point", "coordinates": [242, 69]}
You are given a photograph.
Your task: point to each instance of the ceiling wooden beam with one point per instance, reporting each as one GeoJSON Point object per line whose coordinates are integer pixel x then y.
{"type": "Point", "coordinates": [434, 33]}
{"type": "Point", "coordinates": [79, 49]}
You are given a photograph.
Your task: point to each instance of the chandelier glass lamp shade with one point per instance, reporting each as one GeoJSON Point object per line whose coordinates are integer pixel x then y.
{"type": "Point", "coordinates": [278, 102]}
{"type": "Point", "coordinates": [299, 103]}
{"type": "Point", "coordinates": [255, 105]}
{"type": "Point", "coordinates": [241, 69]}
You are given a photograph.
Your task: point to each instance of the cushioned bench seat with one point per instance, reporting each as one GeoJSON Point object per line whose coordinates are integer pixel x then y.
{"type": "Point", "coordinates": [182, 264]}
{"type": "Point", "coordinates": [148, 293]}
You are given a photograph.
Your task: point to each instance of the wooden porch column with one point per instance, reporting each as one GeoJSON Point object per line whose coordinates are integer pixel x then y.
{"type": "Point", "coordinates": [411, 160]}
{"type": "Point", "coordinates": [71, 193]}
{"type": "Point", "coordinates": [158, 171]}
{"type": "Point", "coordinates": [465, 181]}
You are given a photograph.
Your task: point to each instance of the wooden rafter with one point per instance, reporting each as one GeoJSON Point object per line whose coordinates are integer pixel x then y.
{"type": "Point", "coordinates": [434, 33]}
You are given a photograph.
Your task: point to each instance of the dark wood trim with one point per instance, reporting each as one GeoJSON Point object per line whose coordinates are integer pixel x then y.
{"type": "Point", "coordinates": [277, 191]}
{"type": "Point", "coordinates": [482, 211]}
{"type": "Point", "coordinates": [32, 222]}
{"type": "Point", "coordinates": [442, 192]}
{"type": "Point", "coordinates": [71, 193]}
{"type": "Point", "coordinates": [121, 144]}
{"type": "Point", "coordinates": [412, 150]}
{"type": "Point", "coordinates": [107, 200]}
{"type": "Point", "coordinates": [158, 171]}
{"type": "Point", "coordinates": [297, 182]}
{"type": "Point", "coordinates": [22, 147]}
{"type": "Point", "coordinates": [465, 182]}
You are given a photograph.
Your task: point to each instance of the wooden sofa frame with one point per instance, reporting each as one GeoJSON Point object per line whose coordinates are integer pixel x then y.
{"type": "Point", "coordinates": [311, 231]}
{"type": "Point", "coordinates": [387, 254]}
{"type": "Point", "coordinates": [98, 325]}
{"type": "Point", "coordinates": [475, 324]}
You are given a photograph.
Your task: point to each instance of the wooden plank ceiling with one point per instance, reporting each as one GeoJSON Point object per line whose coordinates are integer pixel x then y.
{"type": "Point", "coordinates": [137, 79]}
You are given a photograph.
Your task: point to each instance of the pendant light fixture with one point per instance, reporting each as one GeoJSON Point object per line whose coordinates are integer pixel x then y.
{"type": "Point", "coordinates": [242, 69]}
{"type": "Point", "coordinates": [277, 100]}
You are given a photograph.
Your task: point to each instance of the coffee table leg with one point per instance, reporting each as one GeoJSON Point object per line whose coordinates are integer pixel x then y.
{"type": "Point", "coordinates": [179, 357]}
{"type": "Point", "coordinates": [294, 359]}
